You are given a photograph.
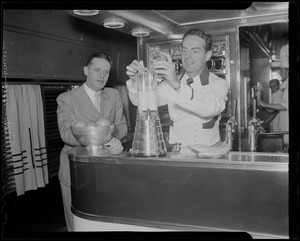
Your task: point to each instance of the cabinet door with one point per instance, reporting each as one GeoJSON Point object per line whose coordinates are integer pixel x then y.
{"type": "Point", "coordinates": [34, 56]}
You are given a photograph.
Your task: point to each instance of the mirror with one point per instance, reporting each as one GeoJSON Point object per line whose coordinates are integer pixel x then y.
{"type": "Point", "coordinates": [259, 64]}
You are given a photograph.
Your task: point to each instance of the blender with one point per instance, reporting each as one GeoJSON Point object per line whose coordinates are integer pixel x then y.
{"type": "Point", "coordinates": [148, 138]}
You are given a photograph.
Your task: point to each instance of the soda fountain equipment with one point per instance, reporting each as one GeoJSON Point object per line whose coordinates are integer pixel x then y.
{"type": "Point", "coordinates": [231, 126]}
{"type": "Point", "coordinates": [148, 138]}
{"type": "Point", "coordinates": [254, 125]}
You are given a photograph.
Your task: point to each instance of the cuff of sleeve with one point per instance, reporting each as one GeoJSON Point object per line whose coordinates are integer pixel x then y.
{"type": "Point", "coordinates": [130, 88]}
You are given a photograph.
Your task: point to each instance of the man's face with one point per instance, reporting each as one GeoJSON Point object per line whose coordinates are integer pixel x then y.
{"type": "Point", "coordinates": [274, 86]}
{"type": "Point", "coordinates": [97, 73]}
{"type": "Point", "coordinates": [193, 55]}
{"type": "Point", "coordinates": [284, 72]}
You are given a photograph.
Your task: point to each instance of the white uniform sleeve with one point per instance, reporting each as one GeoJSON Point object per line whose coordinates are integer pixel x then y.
{"type": "Point", "coordinates": [132, 92]}
{"type": "Point", "coordinates": [205, 103]}
{"type": "Point", "coordinates": [164, 91]}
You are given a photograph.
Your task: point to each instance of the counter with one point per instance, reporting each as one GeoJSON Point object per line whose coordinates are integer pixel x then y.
{"type": "Point", "coordinates": [239, 192]}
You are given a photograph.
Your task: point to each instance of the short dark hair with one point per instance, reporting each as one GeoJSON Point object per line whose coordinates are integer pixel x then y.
{"type": "Point", "coordinates": [99, 55]}
{"type": "Point", "coordinates": [276, 81]}
{"type": "Point", "coordinates": [200, 33]}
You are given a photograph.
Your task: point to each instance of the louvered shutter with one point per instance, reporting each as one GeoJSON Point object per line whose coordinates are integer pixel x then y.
{"type": "Point", "coordinates": [53, 140]}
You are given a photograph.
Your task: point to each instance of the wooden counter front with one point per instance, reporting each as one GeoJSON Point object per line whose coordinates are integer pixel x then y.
{"type": "Point", "coordinates": [240, 192]}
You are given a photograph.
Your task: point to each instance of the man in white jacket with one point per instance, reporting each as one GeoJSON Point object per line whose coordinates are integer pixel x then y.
{"type": "Point", "coordinates": [195, 99]}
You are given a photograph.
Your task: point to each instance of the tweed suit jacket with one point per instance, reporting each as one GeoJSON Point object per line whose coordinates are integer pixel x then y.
{"type": "Point", "coordinates": [76, 104]}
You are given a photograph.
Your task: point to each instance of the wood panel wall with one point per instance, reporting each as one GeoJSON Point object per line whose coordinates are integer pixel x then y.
{"type": "Point", "coordinates": [54, 45]}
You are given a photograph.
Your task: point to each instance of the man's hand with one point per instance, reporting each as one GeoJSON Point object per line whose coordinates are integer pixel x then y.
{"type": "Point", "coordinates": [134, 68]}
{"type": "Point", "coordinates": [262, 103]}
{"type": "Point", "coordinates": [114, 146]}
{"type": "Point", "coordinates": [166, 69]}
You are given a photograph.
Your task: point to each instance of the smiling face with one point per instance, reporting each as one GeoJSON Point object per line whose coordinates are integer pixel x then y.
{"type": "Point", "coordinates": [97, 73]}
{"type": "Point", "coordinates": [194, 56]}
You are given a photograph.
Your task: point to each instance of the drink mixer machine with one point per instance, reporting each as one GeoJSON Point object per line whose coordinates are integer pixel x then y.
{"type": "Point", "coordinates": [148, 137]}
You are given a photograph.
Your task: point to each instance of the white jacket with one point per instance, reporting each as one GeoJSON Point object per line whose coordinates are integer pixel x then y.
{"type": "Point", "coordinates": [196, 120]}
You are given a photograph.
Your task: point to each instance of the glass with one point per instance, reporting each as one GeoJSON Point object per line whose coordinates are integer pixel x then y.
{"type": "Point", "coordinates": [146, 87]}
{"type": "Point", "coordinates": [156, 56]}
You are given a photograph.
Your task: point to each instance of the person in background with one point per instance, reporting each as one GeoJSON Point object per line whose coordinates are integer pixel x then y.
{"type": "Point", "coordinates": [276, 95]}
{"type": "Point", "coordinates": [282, 107]}
{"type": "Point", "coordinates": [195, 99]}
{"type": "Point", "coordinates": [81, 104]}
{"type": "Point", "coordinates": [269, 116]}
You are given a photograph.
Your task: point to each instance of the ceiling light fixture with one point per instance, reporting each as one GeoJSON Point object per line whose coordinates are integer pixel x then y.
{"type": "Point", "coordinates": [140, 32]}
{"type": "Point", "coordinates": [86, 12]}
{"type": "Point", "coordinates": [113, 22]}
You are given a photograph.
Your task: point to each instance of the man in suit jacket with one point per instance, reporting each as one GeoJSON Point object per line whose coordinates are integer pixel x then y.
{"type": "Point", "coordinates": [81, 104]}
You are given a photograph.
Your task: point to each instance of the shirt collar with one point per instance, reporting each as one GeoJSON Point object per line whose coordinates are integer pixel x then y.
{"type": "Point", "coordinates": [204, 76]}
{"type": "Point", "coordinates": [91, 93]}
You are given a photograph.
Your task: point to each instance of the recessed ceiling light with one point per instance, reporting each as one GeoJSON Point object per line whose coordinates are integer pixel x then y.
{"type": "Point", "coordinates": [113, 22]}
{"type": "Point", "coordinates": [86, 12]}
{"type": "Point", "coordinates": [140, 32]}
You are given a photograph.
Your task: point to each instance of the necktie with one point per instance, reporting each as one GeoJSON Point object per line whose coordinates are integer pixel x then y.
{"type": "Point", "coordinates": [189, 81]}
{"type": "Point", "coordinates": [97, 100]}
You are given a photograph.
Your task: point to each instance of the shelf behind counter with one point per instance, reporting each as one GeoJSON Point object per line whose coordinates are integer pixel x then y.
{"type": "Point", "coordinates": [239, 192]}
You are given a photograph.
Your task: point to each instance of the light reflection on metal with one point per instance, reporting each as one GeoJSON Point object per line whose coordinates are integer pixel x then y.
{"type": "Point", "coordinates": [259, 45]}
{"type": "Point", "coordinates": [262, 43]}
{"type": "Point", "coordinates": [140, 49]}
{"type": "Point", "coordinates": [231, 127]}
{"type": "Point", "coordinates": [86, 12]}
{"type": "Point", "coordinates": [113, 22]}
{"type": "Point", "coordinates": [140, 32]}
{"type": "Point", "coordinates": [230, 19]}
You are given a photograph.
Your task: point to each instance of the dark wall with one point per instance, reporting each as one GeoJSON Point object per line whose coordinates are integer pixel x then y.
{"type": "Point", "coordinates": [50, 47]}
{"type": "Point", "coordinates": [54, 45]}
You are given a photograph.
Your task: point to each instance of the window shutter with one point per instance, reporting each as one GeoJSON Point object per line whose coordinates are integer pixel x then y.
{"type": "Point", "coordinates": [53, 140]}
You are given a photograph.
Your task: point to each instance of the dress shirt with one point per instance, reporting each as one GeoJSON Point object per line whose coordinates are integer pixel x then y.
{"type": "Point", "coordinates": [94, 96]}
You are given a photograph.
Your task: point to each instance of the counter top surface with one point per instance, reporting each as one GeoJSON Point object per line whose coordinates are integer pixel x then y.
{"type": "Point", "coordinates": [240, 191]}
{"type": "Point", "coordinates": [240, 160]}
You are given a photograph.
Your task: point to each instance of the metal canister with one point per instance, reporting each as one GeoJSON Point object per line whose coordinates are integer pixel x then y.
{"type": "Point", "coordinates": [252, 138]}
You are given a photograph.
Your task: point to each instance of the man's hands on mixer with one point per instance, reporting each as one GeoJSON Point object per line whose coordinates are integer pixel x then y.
{"type": "Point", "coordinates": [166, 69]}
{"type": "Point", "coordinates": [134, 68]}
